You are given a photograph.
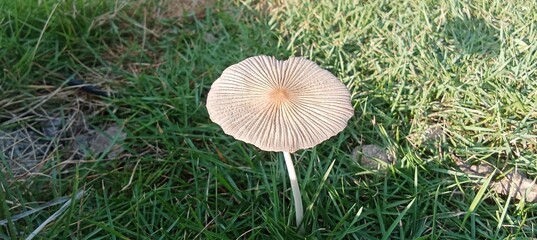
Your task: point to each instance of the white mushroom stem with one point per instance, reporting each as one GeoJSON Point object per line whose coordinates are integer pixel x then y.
{"type": "Point", "coordinates": [297, 197]}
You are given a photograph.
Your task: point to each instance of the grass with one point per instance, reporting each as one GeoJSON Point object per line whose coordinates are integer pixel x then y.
{"type": "Point", "coordinates": [465, 70]}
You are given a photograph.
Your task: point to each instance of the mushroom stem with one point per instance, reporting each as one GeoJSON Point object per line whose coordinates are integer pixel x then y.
{"type": "Point", "coordinates": [297, 197]}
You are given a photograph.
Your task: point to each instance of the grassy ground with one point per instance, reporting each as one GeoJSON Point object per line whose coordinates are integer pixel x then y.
{"type": "Point", "coordinates": [432, 82]}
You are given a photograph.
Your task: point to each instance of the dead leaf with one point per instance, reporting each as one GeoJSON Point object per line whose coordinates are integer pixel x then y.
{"type": "Point", "coordinates": [108, 141]}
{"type": "Point", "coordinates": [372, 156]}
{"type": "Point", "coordinates": [430, 136]}
{"type": "Point", "coordinates": [210, 38]}
{"type": "Point", "coordinates": [481, 170]}
{"type": "Point", "coordinates": [518, 186]}
{"type": "Point", "coordinates": [513, 184]}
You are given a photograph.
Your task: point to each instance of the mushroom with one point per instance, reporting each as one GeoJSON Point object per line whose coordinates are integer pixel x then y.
{"type": "Point", "coordinates": [280, 106]}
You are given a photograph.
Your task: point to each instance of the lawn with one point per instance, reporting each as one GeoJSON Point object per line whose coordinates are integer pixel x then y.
{"type": "Point", "coordinates": [105, 133]}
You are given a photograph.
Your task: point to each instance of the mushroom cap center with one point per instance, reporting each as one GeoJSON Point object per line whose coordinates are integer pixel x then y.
{"type": "Point", "coordinates": [279, 94]}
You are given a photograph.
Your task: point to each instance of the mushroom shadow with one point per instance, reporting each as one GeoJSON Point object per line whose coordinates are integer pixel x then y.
{"type": "Point", "coordinates": [472, 36]}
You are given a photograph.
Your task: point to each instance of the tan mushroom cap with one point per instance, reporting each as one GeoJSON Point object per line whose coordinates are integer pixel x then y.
{"type": "Point", "coordinates": [279, 105]}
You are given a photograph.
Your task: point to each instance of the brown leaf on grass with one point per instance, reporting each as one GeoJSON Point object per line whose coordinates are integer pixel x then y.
{"type": "Point", "coordinates": [167, 9]}
{"type": "Point", "coordinates": [518, 186]}
{"type": "Point", "coordinates": [372, 156]}
{"type": "Point", "coordinates": [210, 38]}
{"type": "Point", "coordinates": [513, 184]}
{"type": "Point", "coordinates": [109, 142]}
{"type": "Point", "coordinates": [179, 8]}
{"type": "Point", "coordinates": [481, 170]}
{"type": "Point", "coordinates": [430, 135]}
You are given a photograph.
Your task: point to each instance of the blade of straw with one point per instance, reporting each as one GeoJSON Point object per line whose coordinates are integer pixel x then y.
{"type": "Point", "coordinates": [54, 216]}
{"type": "Point", "coordinates": [34, 210]}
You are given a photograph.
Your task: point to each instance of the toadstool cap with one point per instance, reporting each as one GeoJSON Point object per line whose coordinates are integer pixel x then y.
{"type": "Point", "coordinates": [279, 105]}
